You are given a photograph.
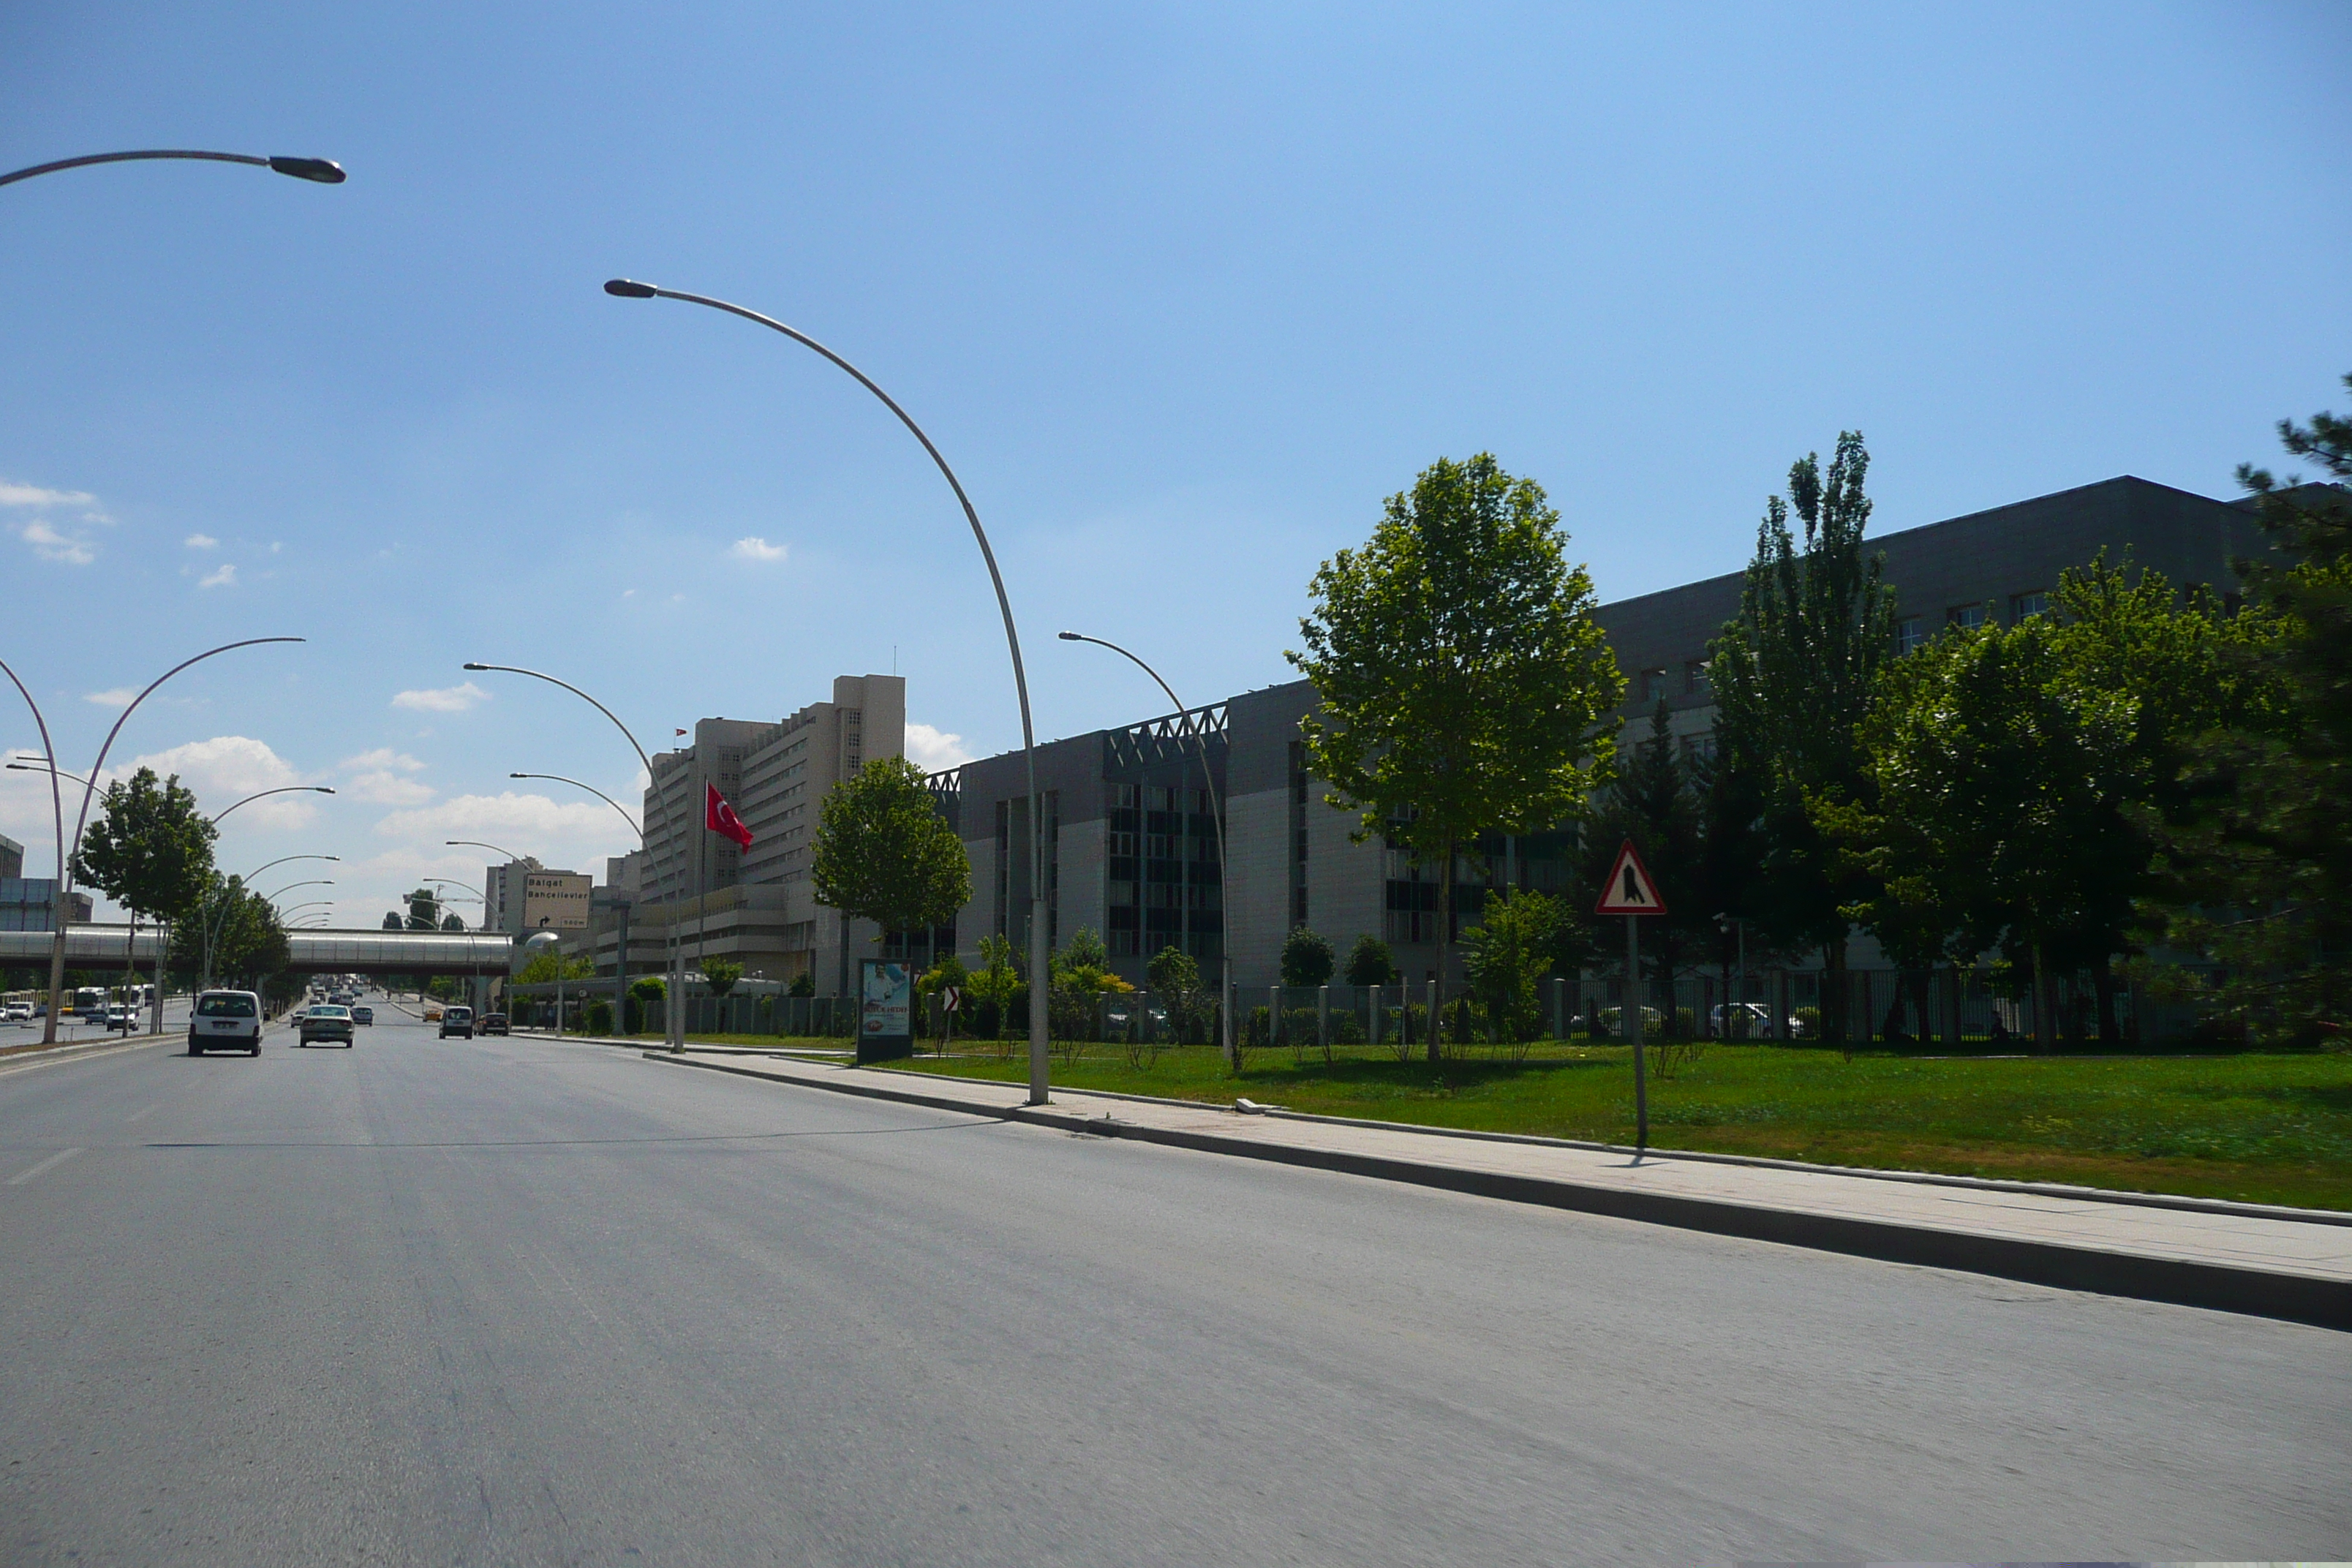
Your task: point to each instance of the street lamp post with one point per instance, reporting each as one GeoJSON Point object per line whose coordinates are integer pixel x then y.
{"type": "Point", "coordinates": [319, 170]}
{"type": "Point", "coordinates": [1040, 938]}
{"type": "Point", "coordinates": [673, 1009]}
{"type": "Point", "coordinates": [63, 897]}
{"type": "Point", "coordinates": [282, 789]}
{"type": "Point", "coordinates": [1217, 816]}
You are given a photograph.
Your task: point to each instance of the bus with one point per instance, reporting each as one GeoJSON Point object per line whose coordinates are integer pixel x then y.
{"type": "Point", "coordinates": [88, 1002]}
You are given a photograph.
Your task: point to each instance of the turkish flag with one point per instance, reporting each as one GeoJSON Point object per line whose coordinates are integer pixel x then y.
{"type": "Point", "coordinates": [719, 817]}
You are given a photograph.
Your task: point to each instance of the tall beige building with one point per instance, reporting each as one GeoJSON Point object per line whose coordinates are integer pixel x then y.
{"type": "Point", "coordinates": [754, 906]}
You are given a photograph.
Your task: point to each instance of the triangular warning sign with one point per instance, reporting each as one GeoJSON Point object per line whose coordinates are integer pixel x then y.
{"type": "Point", "coordinates": [1629, 889]}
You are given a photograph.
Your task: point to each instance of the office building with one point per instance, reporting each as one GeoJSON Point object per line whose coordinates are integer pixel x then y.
{"type": "Point", "coordinates": [1132, 847]}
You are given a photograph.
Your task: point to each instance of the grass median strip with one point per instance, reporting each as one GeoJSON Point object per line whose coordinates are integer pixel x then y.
{"type": "Point", "coordinates": [2259, 1128]}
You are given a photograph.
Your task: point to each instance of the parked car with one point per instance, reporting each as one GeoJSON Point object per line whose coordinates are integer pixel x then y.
{"type": "Point", "coordinates": [362, 1015]}
{"type": "Point", "coordinates": [224, 1018]}
{"type": "Point", "coordinates": [326, 1022]}
{"type": "Point", "coordinates": [17, 1013]}
{"type": "Point", "coordinates": [458, 1021]}
{"type": "Point", "coordinates": [1610, 1023]}
{"type": "Point", "coordinates": [1751, 1021]}
{"type": "Point", "coordinates": [494, 1024]}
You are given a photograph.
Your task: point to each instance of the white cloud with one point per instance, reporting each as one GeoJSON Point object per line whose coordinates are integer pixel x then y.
{"type": "Point", "coordinates": [490, 815]}
{"type": "Point", "coordinates": [758, 549]}
{"type": "Point", "coordinates": [114, 696]}
{"type": "Point", "coordinates": [201, 541]}
{"type": "Point", "coordinates": [443, 699]}
{"type": "Point", "coordinates": [385, 787]}
{"type": "Point", "coordinates": [34, 495]}
{"type": "Point", "coordinates": [225, 577]}
{"type": "Point", "coordinates": [50, 545]}
{"type": "Point", "coordinates": [48, 540]}
{"type": "Point", "coordinates": [934, 750]}
{"type": "Point", "coordinates": [384, 757]}
{"type": "Point", "coordinates": [227, 768]}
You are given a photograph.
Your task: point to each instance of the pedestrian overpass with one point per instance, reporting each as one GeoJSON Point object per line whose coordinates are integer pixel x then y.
{"type": "Point", "coordinates": [96, 945]}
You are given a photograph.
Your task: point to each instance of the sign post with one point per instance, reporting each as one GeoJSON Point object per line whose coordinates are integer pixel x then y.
{"type": "Point", "coordinates": [1631, 891]}
{"type": "Point", "coordinates": [886, 1010]}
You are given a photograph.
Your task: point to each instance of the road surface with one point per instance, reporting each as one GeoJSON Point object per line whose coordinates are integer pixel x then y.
{"type": "Point", "coordinates": [515, 1302]}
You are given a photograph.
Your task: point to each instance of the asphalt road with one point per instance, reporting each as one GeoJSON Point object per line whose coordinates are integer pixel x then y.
{"type": "Point", "coordinates": [28, 1031]}
{"type": "Point", "coordinates": [513, 1301]}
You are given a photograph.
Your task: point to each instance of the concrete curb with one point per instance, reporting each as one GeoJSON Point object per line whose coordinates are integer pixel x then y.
{"type": "Point", "coordinates": [2323, 1303]}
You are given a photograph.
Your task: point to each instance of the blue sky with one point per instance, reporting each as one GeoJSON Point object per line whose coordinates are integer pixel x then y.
{"type": "Point", "coordinates": [1183, 292]}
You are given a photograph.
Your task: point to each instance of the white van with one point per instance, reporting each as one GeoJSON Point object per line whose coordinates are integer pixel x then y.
{"type": "Point", "coordinates": [226, 1020]}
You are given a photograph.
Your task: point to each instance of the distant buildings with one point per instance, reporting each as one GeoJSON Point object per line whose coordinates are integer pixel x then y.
{"type": "Point", "coordinates": [28, 902]}
{"type": "Point", "coordinates": [754, 906]}
{"type": "Point", "coordinates": [1131, 831]}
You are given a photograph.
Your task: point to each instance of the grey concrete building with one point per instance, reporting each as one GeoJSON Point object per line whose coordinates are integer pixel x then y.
{"type": "Point", "coordinates": [1132, 850]}
{"type": "Point", "coordinates": [12, 858]}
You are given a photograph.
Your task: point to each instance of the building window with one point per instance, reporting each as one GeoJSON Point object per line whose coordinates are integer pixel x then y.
{"type": "Point", "coordinates": [1908, 635]}
{"type": "Point", "coordinates": [1968, 617]}
{"type": "Point", "coordinates": [1695, 678]}
{"type": "Point", "coordinates": [2031, 603]}
{"type": "Point", "coordinates": [1654, 686]}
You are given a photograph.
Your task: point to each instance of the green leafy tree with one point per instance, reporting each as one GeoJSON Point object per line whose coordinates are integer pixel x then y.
{"type": "Point", "coordinates": [720, 974]}
{"type": "Point", "coordinates": [885, 854]}
{"type": "Point", "coordinates": [544, 968]}
{"type": "Point", "coordinates": [453, 920]}
{"type": "Point", "coordinates": [999, 983]}
{"type": "Point", "coordinates": [248, 943]}
{"type": "Point", "coordinates": [2267, 849]}
{"type": "Point", "coordinates": [1793, 677]}
{"type": "Point", "coordinates": [150, 849]}
{"type": "Point", "coordinates": [803, 984]}
{"type": "Point", "coordinates": [424, 909]}
{"type": "Point", "coordinates": [391, 921]}
{"type": "Point", "coordinates": [1369, 962]}
{"type": "Point", "coordinates": [1174, 976]}
{"type": "Point", "coordinates": [1307, 958]}
{"type": "Point", "coordinates": [1506, 956]}
{"type": "Point", "coordinates": [1465, 685]}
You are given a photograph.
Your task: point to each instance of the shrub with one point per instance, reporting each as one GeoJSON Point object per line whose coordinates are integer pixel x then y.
{"type": "Point", "coordinates": [1306, 958]}
{"type": "Point", "coordinates": [600, 1017]}
{"type": "Point", "coordinates": [1369, 962]}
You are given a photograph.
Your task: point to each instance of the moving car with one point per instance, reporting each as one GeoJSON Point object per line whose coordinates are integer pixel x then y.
{"type": "Point", "coordinates": [456, 1021]}
{"type": "Point", "coordinates": [433, 1012]}
{"type": "Point", "coordinates": [327, 1023]}
{"type": "Point", "coordinates": [118, 1016]}
{"type": "Point", "coordinates": [494, 1022]}
{"type": "Point", "coordinates": [225, 1019]}
{"type": "Point", "coordinates": [17, 1013]}
{"type": "Point", "coordinates": [362, 1015]}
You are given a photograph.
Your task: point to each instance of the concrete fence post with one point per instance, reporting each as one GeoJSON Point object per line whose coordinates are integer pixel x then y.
{"type": "Point", "coordinates": [1323, 1018]}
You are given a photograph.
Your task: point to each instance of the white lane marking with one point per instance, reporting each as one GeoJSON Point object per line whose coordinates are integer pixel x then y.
{"type": "Point", "coordinates": [59, 1158]}
{"type": "Point", "coordinates": [143, 1115]}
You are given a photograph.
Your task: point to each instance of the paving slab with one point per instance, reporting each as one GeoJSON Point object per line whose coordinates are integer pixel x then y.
{"type": "Point", "coordinates": [2282, 1263]}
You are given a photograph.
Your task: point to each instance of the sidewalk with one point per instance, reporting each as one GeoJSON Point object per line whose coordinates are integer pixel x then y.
{"type": "Point", "coordinates": [2282, 1263]}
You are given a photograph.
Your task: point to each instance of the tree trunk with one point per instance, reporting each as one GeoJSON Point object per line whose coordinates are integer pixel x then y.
{"type": "Point", "coordinates": [1444, 949]}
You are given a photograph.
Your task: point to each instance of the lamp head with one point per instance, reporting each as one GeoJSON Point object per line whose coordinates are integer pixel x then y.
{"type": "Point", "coordinates": [471, 665]}
{"type": "Point", "coordinates": [324, 789]}
{"type": "Point", "coordinates": [1070, 636]}
{"type": "Point", "coordinates": [540, 939]}
{"type": "Point", "coordinates": [627, 288]}
{"type": "Point", "coordinates": [518, 775]}
{"type": "Point", "coordinates": [322, 171]}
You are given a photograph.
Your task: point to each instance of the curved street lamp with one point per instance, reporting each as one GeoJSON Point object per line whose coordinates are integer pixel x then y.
{"type": "Point", "coordinates": [477, 844]}
{"type": "Point", "coordinates": [1217, 816]}
{"type": "Point", "coordinates": [1039, 939]}
{"type": "Point", "coordinates": [319, 170]}
{"type": "Point", "coordinates": [213, 922]}
{"type": "Point", "coordinates": [600, 794]}
{"type": "Point", "coordinates": [313, 882]}
{"type": "Point", "coordinates": [64, 890]}
{"type": "Point", "coordinates": [673, 1009]}
{"type": "Point", "coordinates": [282, 789]}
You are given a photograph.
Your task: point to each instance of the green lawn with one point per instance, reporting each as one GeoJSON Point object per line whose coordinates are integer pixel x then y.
{"type": "Point", "coordinates": [2260, 1128]}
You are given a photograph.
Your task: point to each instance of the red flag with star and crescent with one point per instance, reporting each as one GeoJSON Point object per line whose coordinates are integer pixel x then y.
{"type": "Point", "coordinates": [719, 817]}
